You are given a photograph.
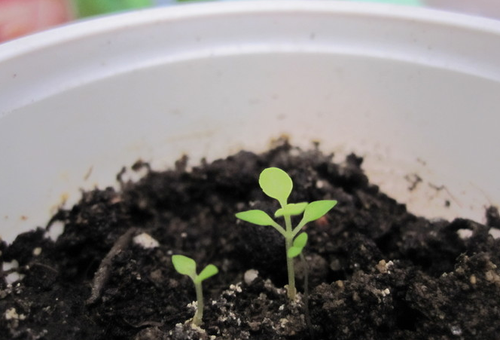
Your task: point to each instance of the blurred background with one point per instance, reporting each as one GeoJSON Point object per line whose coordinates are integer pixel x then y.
{"type": "Point", "coordinates": [21, 17]}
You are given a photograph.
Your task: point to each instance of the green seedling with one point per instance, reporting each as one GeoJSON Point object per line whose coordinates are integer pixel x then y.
{"type": "Point", "coordinates": [186, 266]}
{"type": "Point", "coordinates": [276, 184]}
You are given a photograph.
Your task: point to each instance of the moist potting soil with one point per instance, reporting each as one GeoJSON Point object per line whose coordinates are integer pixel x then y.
{"type": "Point", "coordinates": [374, 270]}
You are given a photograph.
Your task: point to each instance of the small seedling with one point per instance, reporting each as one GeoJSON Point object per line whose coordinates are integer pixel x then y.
{"type": "Point", "coordinates": [276, 184]}
{"type": "Point", "coordinates": [186, 266]}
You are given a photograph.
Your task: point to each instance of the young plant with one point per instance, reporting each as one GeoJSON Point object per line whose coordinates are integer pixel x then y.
{"type": "Point", "coordinates": [276, 184]}
{"type": "Point", "coordinates": [186, 266]}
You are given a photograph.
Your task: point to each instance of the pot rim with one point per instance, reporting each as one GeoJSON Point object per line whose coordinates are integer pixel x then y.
{"type": "Point", "coordinates": [129, 20]}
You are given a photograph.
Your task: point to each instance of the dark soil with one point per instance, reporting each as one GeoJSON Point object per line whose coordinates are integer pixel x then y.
{"type": "Point", "coordinates": [376, 271]}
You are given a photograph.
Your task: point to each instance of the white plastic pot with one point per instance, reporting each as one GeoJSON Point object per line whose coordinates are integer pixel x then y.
{"type": "Point", "coordinates": [416, 92]}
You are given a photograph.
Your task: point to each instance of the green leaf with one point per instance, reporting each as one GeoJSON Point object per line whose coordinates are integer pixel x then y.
{"type": "Point", "coordinates": [315, 210]}
{"type": "Point", "coordinates": [291, 209]}
{"type": "Point", "coordinates": [258, 217]}
{"type": "Point", "coordinates": [298, 245]}
{"type": "Point", "coordinates": [276, 184]}
{"type": "Point", "coordinates": [294, 252]}
{"type": "Point", "coordinates": [300, 241]}
{"type": "Point", "coordinates": [184, 265]}
{"type": "Point", "coordinates": [209, 271]}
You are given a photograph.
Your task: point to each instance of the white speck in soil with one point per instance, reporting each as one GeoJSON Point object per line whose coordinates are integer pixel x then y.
{"type": "Point", "coordinates": [146, 241]}
{"type": "Point", "coordinates": [455, 330]}
{"type": "Point", "coordinates": [10, 265]}
{"type": "Point", "coordinates": [11, 314]}
{"type": "Point", "coordinates": [250, 275]}
{"type": "Point", "coordinates": [56, 230]}
{"type": "Point", "coordinates": [464, 233]}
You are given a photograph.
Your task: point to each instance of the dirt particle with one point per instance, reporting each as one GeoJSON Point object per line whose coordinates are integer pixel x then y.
{"type": "Point", "coordinates": [382, 267]}
{"type": "Point", "coordinates": [455, 330]}
{"type": "Point", "coordinates": [250, 275]}
{"type": "Point", "coordinates": [355, 297]}
{"type": "Point", "coordinates": [146, 241]}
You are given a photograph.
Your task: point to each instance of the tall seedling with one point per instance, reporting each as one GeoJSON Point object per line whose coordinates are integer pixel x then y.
{"type": "Point", "coordinates": [276, 184]}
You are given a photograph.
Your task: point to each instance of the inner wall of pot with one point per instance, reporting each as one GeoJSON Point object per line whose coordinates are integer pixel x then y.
{"type": "Point", "coordinates": [428, 135]}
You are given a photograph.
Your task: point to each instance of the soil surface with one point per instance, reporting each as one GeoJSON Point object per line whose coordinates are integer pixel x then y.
{"type": "Point", "coordinates": [375, 271]}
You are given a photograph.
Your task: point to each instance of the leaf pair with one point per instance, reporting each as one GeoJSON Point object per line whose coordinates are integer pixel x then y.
{"type": "Point", "coordinates": [312, 211]}
{"type": "Point", "coordinates": [187, 266]}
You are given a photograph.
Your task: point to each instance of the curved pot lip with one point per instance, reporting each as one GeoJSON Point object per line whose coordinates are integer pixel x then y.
{"type": "Point", "coordinates": [130, 20]}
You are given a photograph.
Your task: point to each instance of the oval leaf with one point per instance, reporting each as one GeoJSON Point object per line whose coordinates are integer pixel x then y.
{"type": "Point", "coordinates": [300, 241]}
{"type": "Point", "coordinates": [316, 210]}
{"type": "Point", "coordinates": [291, 209]}
{"type": "Point", "coordinates": [209, 271]}
{"type": "Point", "coordinates": [258, 217]}
{"type": "Point", "coordinates": [298, 245]}
{"type": "Point", "coordinates": [184, 265]}
{"type": "Point", "coordinates": [294, 252]}
{"type": "Point", "coordinates": [276, 184]}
